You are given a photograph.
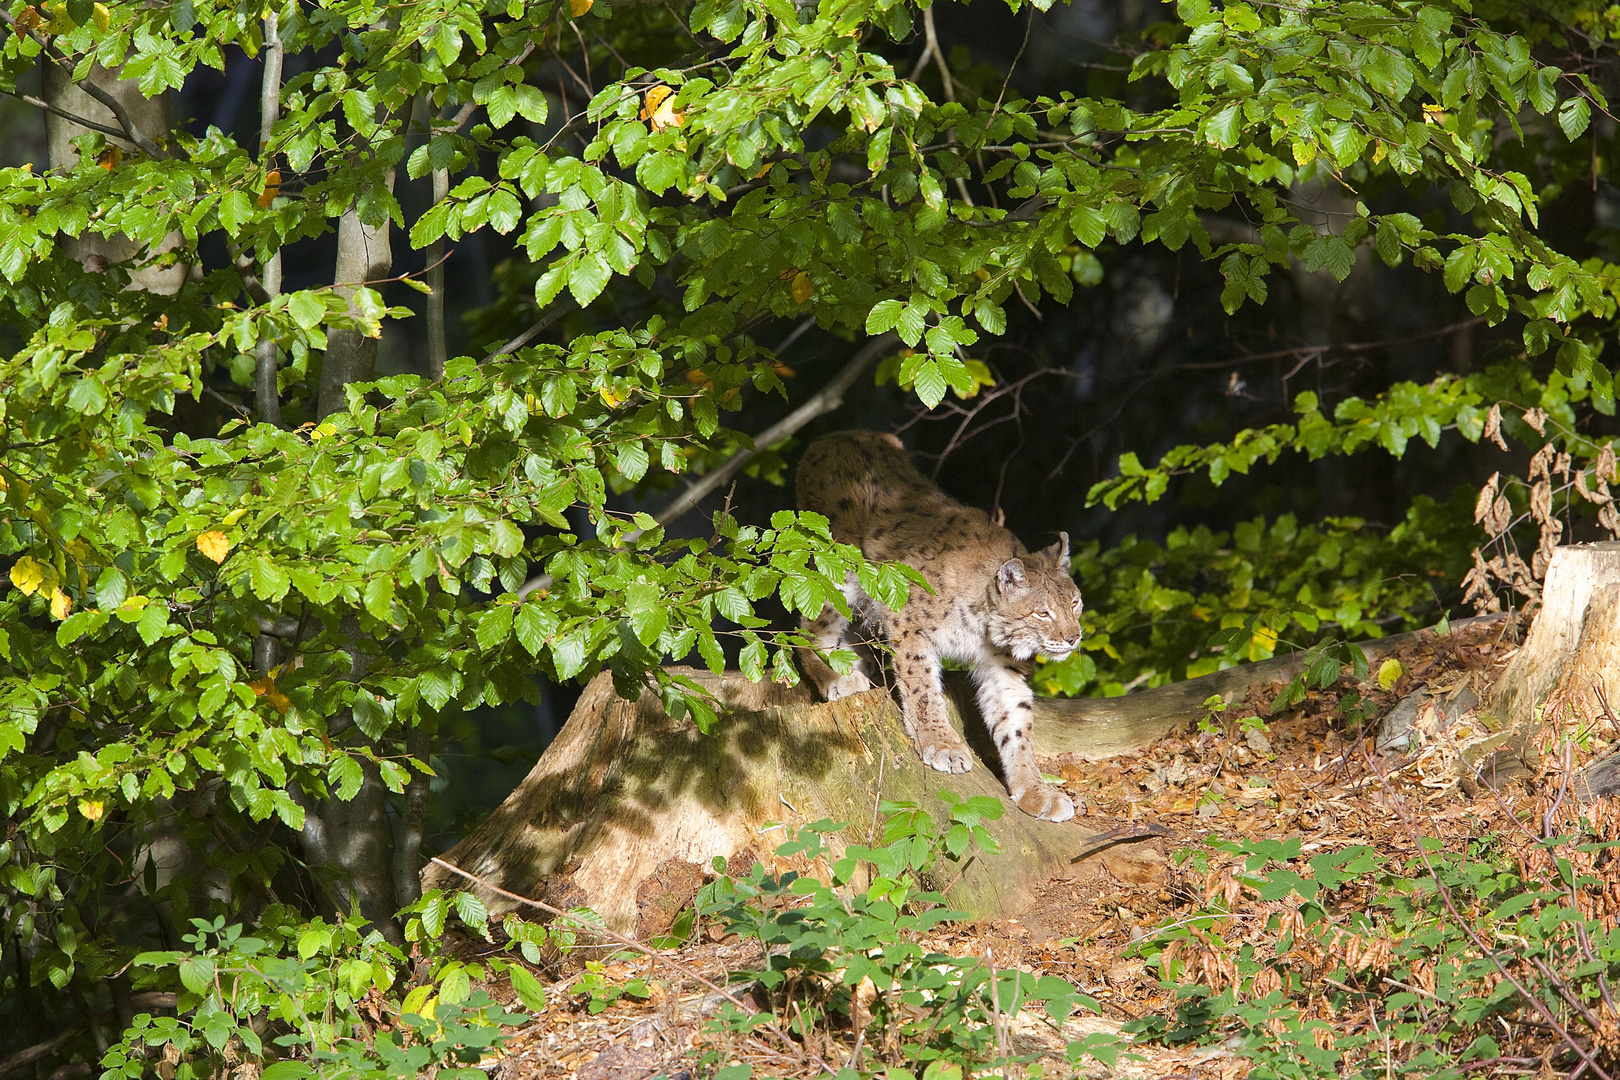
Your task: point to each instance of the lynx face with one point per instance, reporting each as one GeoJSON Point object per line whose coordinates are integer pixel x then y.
{"type": "Point", "coordinates": [1035, 605]}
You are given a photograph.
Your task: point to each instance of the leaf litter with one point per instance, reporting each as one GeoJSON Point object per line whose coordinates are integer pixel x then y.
{"type": "Point", "coordinates": [1306, 779]}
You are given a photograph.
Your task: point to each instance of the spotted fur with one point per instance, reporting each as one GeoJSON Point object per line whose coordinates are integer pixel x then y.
{"type": "Point", "coordinates": [994, 605]}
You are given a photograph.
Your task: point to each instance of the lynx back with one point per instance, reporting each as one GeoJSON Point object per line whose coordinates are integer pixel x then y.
{"type": "Point", "coordinates": [994, 605]}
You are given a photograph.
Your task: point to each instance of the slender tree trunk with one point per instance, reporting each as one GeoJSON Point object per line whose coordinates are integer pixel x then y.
{"type": "Point", "coordinates": [438, 351]}
{"type": "Point", "coordinates": [363, 256]}
{"type": "Point", "coordinates": [266, 391]}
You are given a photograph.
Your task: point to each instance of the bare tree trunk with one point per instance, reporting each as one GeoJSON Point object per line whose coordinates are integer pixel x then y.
{"type": "Point", "coordinates": [627, 808]}
{"type": "Point", "coordinates": [438, 351]}
{"type": "Point", "coordinates": [1562, 656]}
{"type": "Point", "coordinates": [151, 119]}
{"type": "Point", "coordinates": [351, 840]}
{"type": "Point", "coordinates": [363, 256]}
{"type": "Point", "coordinates": [1569, 666]}
{"type": "Point", "coordinates": [266, 390]}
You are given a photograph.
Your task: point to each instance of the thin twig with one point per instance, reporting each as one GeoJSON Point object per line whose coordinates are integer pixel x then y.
{"type": "Point", "coordinates": [540, 324]}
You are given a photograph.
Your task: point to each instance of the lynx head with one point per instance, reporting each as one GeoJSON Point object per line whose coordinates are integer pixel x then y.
{"type": "Point", "coordinates": [1035, 606]}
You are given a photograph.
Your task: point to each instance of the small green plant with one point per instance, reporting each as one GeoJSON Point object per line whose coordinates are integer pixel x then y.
{"type": "Point", "coordinates": [334, 999]}
{"type": "Point", "coordinates": [602, 993]}
{"type": "Point", "coordinates": [846, 960]}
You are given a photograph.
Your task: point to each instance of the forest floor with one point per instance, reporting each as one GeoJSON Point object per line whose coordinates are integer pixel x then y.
{"type": "Point", "coordinates": [1305, 775]}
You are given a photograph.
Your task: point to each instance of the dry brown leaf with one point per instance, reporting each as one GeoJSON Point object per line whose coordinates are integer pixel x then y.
{"type": "Point", "coordinates": [1493, 427]}
{"type": "Point", "coordinates": [1487, 496]}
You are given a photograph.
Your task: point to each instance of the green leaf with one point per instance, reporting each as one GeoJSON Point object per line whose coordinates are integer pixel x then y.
{"type": "Point", "coordinates": [494, 627]}
{"type": "Point", "coordinates": [884, 316]}
{"type": "Point", "coordinates": [1574, 117]}
{"type": "Point", "coordinates": [530, 625]}
{"type": "Point", "coordinates": [644, 602]}
{"type": "Point", "coordinates": [269, 581]}
{"type": "Point", "coordinates": [154, 619]}
{"type": "Point", "coordinates": [378, 597]}
{"type": "Point", "coordinates": [1223, 128]}
{"type": "Point", "coordinates": [929, 382]}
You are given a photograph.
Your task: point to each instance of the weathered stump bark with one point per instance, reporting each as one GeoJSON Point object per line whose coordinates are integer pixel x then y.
{"type": "Point", "coordinates": [1571, 657]}
{"type": "Point", "coordinates": [1569, 665]}
{"type": "Point", "coordinates": [627, 808]}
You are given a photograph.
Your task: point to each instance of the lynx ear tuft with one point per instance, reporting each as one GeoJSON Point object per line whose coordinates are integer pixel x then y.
{"type": "Point", "coordinates": [1059, 552]}
{"type": "Point", "coordinates": [1010, 577]}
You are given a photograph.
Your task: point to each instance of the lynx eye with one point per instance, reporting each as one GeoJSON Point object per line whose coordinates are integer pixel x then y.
{"type": "Point", "coordinates": [1077, 603]}
{"type": "Point", "coordinates": [1044, 616]}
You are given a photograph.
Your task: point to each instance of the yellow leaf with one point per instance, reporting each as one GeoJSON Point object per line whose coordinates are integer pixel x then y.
{"type": "Point", "coordinates": [610, 398]}
{"type": "Point", "coordinates": [60, 604]}
{"type": "Point", "coordinates": [579, 7]}
{"type": "Point", "coordinates": [1389, 673]}
{"type": "Point", "coordinates": [266, 688]}
{"type": "Point", "coordinates": [272, 187]}
{"type": "Point", "coordinates": [802, 289]}
{"type": "Point", "coordinates": [92, 808]}
{"type": "Point", "coordinates": [27, 575]}
{"type": "Point", "coordinates": [658, 108]}
{"type": "Point", "coordinates": [215, 545]}
{"type": "Point", "coordinates": [234, 516]}
{"type": "Point", "coordinates": [103, 17]}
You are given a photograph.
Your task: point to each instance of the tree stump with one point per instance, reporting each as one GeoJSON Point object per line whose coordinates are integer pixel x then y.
{"type": "Point", "coordinates": [1571, 657]}
{"type": "Point", "coordinates": [1569, 665]}
{"type": "Point", "coordinates": [626, 810]}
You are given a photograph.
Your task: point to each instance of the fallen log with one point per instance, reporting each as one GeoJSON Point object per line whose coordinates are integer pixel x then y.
{"type": "Point", "coordinates": [626, 810]}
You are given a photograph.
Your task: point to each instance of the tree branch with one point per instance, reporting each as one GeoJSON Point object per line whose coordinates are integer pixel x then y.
{"type": "Point", "coordinates": [534, 330]}
{"type": "Point", "coordinates": [823, 401]}
{"type": "Point", "coordinates": [40, 103]}
{"type": "Point", "coordinates": [127, 129]}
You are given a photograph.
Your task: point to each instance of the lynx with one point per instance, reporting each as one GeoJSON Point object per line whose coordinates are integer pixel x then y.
{"type": "Point", "coordinates": [994, 605]}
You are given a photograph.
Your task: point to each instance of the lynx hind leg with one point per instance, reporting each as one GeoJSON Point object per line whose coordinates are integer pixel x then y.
{"type": "Point", "coordinates": [827, 631]}
{"type": "Point", "coordinates": [922, 704]}
{"type": "Point", "coordinates": [1008, 707]}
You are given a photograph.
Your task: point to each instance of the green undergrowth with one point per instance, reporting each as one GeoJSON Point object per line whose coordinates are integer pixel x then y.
{"type": "Point", "coordinates": [1356, 962]}
{"type": "Point", "coordinates": [1362, 963]}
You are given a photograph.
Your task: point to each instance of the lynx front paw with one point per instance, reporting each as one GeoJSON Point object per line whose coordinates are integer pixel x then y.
{"type": "Point", "coordinates": [951, 757]}
{"type": "Point", "coordinates": [847, 686]}
{"type": "Point", "coordinates": [1046, 803]}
